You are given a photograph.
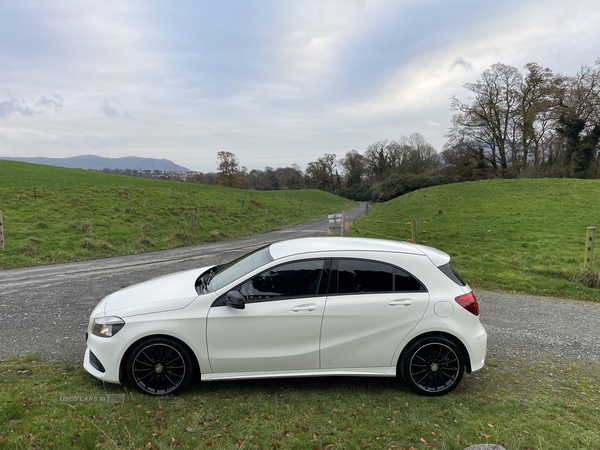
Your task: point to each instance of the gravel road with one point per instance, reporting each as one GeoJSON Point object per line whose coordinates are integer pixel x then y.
{"type": "Point", "coordinates": [45, 309]}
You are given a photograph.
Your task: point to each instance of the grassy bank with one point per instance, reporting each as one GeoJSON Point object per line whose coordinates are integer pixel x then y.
{"type": "Point", "coordinates": [525, 235]}
{"type": "Point", "coordinates": [54, 215]}
{"type": "Point", "coordinates": [547, 405]}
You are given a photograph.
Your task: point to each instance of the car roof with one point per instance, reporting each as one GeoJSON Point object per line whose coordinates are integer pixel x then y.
{"type": "Point", "coordinates": [293, 247]}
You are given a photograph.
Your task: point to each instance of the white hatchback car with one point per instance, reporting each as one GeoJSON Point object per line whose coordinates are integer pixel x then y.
{"type": "Point", "coordinates": [302, 307]}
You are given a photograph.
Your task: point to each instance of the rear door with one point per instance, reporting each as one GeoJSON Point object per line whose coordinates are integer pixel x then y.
{"type": "Point", "coordinates": [375, 306]}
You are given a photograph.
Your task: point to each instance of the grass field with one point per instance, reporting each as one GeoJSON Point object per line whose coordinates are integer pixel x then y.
{"type": "Point", "coordinates": [542, 405]}
{"type": "Point", "coordinates": [516, 235]}
{"type": "Point", "coordinates": [54, 215]}
{"type": "Point", "coordinates": [525, 235]}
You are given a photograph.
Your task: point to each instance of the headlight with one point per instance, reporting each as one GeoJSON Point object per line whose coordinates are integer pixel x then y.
{"type": "Point", "coordinates": [107, 326]}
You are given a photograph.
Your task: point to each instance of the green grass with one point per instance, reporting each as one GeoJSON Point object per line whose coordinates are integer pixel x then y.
{"type": "Point", "coordinates": [525, 235]}
{"type": "Point", "coordinates": [551, 404]}
{"type": "Point", "coordinates": [54, 215]}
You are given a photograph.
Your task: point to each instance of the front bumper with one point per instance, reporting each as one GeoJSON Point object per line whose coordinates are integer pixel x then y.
{"type": "Point", "coordinates": [102, 360]}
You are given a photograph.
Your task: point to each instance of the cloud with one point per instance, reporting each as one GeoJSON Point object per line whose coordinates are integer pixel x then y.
{"type": "Point", "coordinates": [19, 107]}
{"type": "Point", "coordinates": [460, 61]}
{"type": "Point", "coordinates": [109, 109]}
{"type": "Point", "coordinates": [273, 82]}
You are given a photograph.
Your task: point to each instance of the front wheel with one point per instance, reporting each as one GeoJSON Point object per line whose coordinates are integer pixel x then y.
{"type": "Point", "coordinates": [159, 366]}
{"type": "Point", "coordinates": [432, 366]}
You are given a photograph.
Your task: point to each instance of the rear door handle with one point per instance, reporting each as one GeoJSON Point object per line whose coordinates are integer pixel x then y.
{"type": "Point", "coordinates": [403, 302]}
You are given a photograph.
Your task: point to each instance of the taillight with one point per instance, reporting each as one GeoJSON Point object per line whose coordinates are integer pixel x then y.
{"type": "Point", "coordinates": [469, 302]}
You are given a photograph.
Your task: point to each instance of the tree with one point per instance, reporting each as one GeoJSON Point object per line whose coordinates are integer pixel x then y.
{"type": "Point", "coordinates": [417, 155]}
{"type": "Point", "coordinates": [323, 173]}
{"type": "Point", "coordinates": [354, 168]}
{"type": "Point", "coordinates": [489, 122]}
{"type": "Point", "coordinates": [228, 171]}
{"type": "Point", "coordinates": [537, 100]}
{"type": "Point", "coordinates": [579, 120]}
{"type": "Point", "coordinates": [376, 161]}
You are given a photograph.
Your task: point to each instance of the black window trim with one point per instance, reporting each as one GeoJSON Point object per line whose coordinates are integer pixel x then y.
{"type": "Point", "coordinates": [322, 290]}
{"type": "Point", "coordinates": [334, 278]}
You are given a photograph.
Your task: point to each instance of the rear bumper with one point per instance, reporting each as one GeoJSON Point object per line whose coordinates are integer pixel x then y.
{"type": "Point", "coordinates": [477, 347]}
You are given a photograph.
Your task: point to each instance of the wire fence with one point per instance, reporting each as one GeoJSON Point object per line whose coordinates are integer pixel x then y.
{"type": "Point", "coordinates": [428, 231]}
{"type": "Point", "coordinates": [490, 234]}
{"type": "Point", "coordinates": [570, 247]}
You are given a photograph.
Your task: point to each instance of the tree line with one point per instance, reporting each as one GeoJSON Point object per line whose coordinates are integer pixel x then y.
{"type": "Point", "coordinates": [531, 124]}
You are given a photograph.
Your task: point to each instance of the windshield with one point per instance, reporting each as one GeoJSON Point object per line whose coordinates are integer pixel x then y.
{"type": "Point", "coordinates": [240, 267]}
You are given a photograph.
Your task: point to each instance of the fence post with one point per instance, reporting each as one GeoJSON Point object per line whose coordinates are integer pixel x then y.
{"type": "Point", "coordinates": [343, 223]}
{"type": "Point", "coordinates": [589, 247]}
{"type": "Point", "coordinates": [193, 219]}
{"type": "Point", "coordinates": [413, 226]}
{"type": "Point", "coordinates": [1, 233]}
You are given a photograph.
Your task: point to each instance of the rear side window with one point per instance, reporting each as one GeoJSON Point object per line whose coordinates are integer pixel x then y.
{"type": "Point", "coordinates": [452, 274]}
{"type": "Point", "coordinates": [357, 275]}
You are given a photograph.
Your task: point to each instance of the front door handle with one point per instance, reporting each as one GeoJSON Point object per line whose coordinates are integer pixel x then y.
{"type": "Point", "coordinates": [309, 308]}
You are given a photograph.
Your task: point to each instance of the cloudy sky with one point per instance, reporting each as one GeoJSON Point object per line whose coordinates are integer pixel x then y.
{"type": "Point", "coordinates": [276, 82]}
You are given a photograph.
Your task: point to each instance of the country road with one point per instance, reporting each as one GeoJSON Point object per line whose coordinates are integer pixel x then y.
{"type": "Point", "coordinates": [45, 309]}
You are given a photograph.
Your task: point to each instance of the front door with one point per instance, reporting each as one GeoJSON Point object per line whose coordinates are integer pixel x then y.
{"type": "Point", "coordinates": [280, 326]}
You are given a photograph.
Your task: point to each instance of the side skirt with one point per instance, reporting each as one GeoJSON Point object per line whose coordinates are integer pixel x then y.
{"type": "Point", "coordinates": [348, 372]}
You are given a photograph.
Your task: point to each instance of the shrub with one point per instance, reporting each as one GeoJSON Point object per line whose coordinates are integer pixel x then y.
{"type": "Point", "coordinates": [589, 278]}
{"type": "Point", "coordinates": [396, 185]}
{"type": "Point", "coordinates": [124, 193]}
{"type": "Point", "coordinates": [145, 241]}
{"type": "Point", "coordinates": [86, 228]}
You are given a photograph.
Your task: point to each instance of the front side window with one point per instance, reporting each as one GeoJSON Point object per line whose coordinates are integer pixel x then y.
{"type": "Point", "coordinates": [297, 279]}
{"type": "Point", "coordinates": [240, 267]}
{"type": "Point", "coordinates": [357, 275]}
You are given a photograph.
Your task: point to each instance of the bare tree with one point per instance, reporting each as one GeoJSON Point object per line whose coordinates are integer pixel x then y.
{"type": "Point", "coordinates": [579, 120]}
{"type": "Point", "coordinates": [418, 156]}
{"type": "Point", "coordinates": [489, 121]}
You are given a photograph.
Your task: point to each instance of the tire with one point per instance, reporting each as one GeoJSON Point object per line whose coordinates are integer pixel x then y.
{"type": "Point", "coordinates": [159, 366]}
{"type": "Point", "coordinates": [432, 366]}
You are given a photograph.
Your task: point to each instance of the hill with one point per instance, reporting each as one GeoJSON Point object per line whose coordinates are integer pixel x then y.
{"type": "Point", "coordinates": [94, 162]}
{"type": "Point", "coordinates": [53, 214]}
{"type": "Point", "coordinates": [523, 235]}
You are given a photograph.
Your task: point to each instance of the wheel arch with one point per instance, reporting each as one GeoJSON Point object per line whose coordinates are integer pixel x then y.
{"type": "Point", "coordinates": [123, 365]}
{"type": "Point", "coordinates": [458, 342]}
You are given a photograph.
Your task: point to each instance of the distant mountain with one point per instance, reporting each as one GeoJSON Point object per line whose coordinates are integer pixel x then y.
{"type": "Point", "coordinates": [98, 163]}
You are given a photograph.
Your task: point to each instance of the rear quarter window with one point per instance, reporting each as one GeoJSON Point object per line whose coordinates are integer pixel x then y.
{"type": "Point", "coordinates": [452, 274]}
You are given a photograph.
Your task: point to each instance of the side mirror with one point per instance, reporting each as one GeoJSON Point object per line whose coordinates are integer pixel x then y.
{"type": "Point", "coordinates": [235, 299]}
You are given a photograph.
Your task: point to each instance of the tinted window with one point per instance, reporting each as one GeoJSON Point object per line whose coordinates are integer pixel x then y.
{"type": "Point", "coordinates": [355, 275]}
{"type": "Point", "coordinates": [364, 276]}
{"type": "Point", "coordinates": [452, 274]}
{"type": "Point", "coordinates": [405, 282]}
{"type": "Point", "coordinates": [297, 279]}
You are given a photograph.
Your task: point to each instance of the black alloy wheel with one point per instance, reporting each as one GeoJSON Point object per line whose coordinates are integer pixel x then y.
{"type": "Point", "coordinates": [159, 366]}
{"type": "Point", "coordinates": [432, 366]}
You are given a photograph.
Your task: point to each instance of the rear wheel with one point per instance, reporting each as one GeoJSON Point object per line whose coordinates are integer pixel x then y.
{"type": "Point", "coordinates": [432, 366]}
{"type": "Point", "coordinates": [159, 366]}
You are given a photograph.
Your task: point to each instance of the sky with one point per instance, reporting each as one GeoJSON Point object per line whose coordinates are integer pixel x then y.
{"type": "Point", "coordinates": [276, 82]}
